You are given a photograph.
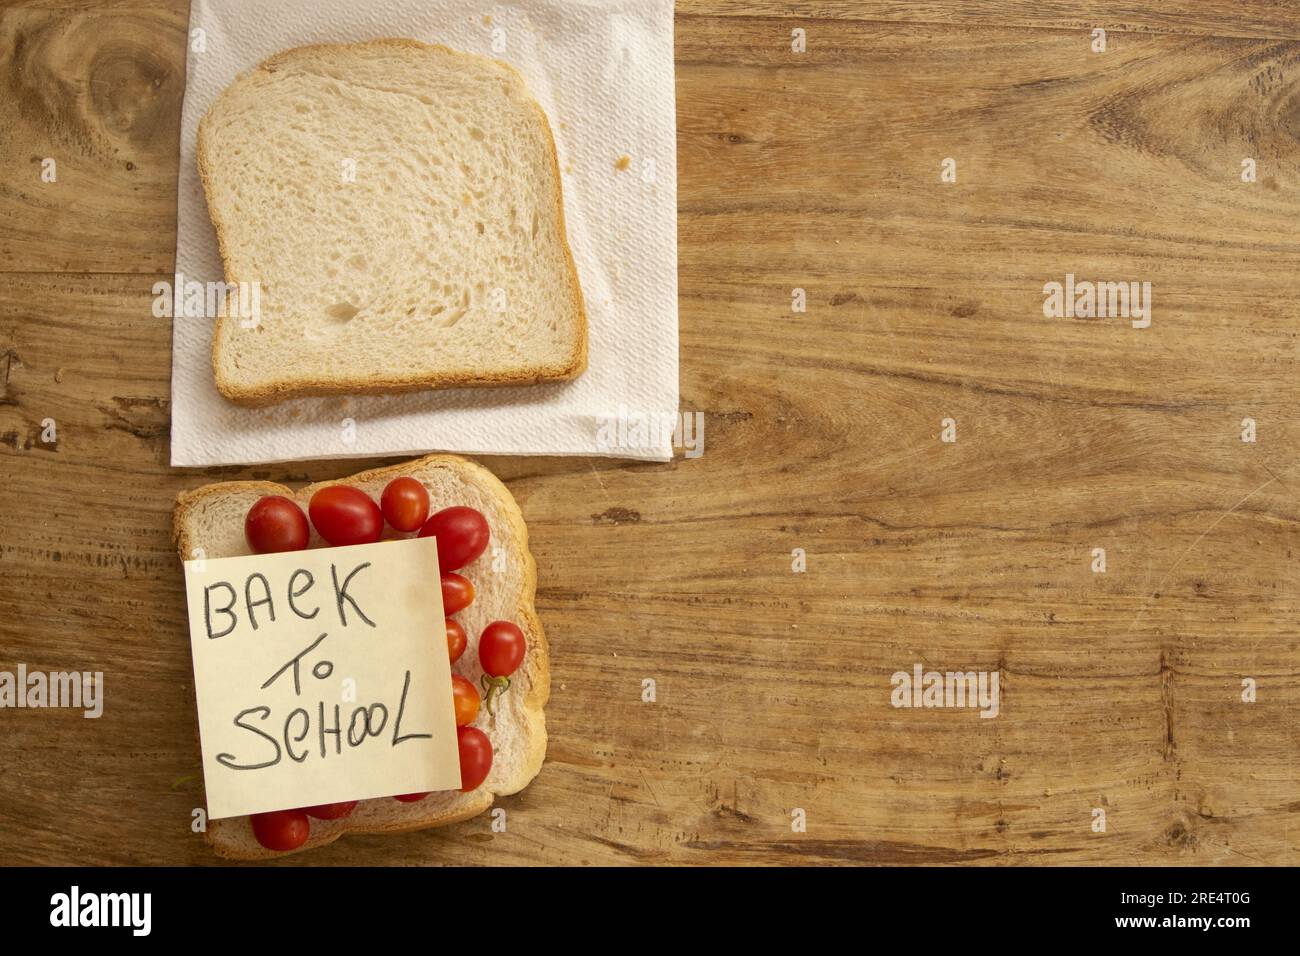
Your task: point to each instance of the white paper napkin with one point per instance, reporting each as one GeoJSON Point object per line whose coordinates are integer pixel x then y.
{"type": "Point", "coordinates": [603, 71]}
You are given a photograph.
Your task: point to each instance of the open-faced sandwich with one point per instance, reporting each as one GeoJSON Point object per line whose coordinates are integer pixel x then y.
{"type": "Point", "coordinates": [500, 670]}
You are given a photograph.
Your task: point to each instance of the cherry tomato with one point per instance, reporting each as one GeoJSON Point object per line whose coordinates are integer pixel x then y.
{"type": "Point", "coordinates": [411, 797]}
{"type": "Point", "coordinates": [345, 515]}
{"type": "Point", "coordinates": [501, 649]}
{"type": "Point", "coordinates": [281, 829]}
{"type": "Point", "coordinates": [457, 592]}
{"type": "Point", "coordinates": [462, 535]}
{"type": "Point", "coordinates": [465, 697]}
{"type": "Point", "coordinates": [456, 640]}
{"type": "Point", "coordinates": [475, 757]}
{"type": "Point", "coordinates": [331, 811]}
{"type": "Point", "coordinates": [275, 524]}
{"type": "Point", "coordinates": [405, 503]}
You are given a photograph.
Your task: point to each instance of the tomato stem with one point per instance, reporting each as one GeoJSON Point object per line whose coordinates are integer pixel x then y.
{"type": "Point", "coordinates": [491, 687]}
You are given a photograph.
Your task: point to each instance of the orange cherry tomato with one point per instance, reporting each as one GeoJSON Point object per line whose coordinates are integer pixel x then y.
{"type": "Point", "coordinates": [456, 640]}
{"type": "Point", "coordinates": [457, 592]}
{"type": "Point", "coordinates": [405, 504]}
{"type": "Point", "coordinates": [465, 697]}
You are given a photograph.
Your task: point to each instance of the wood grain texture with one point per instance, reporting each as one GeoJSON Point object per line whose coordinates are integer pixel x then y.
{"type": "Point", "coordinates": [1255, 18]}
{"type": "Point", "coordinates": [819, 171]}
{"type": "Point", "coordinates": [97, 92]}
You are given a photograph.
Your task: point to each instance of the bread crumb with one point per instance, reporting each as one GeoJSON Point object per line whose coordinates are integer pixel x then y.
{"type": "Point", "coordinates": [487, 19]}
{"type": "Point", "coordinates": [623, 162]}
{"type": "Point", "coordinates": [58, 375]}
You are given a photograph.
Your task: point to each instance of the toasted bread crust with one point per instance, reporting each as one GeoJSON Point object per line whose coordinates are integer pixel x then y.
{"type": "Point", "coordinates": [232, 838]}
{"type": "Point", "coordinates": [299, 387]}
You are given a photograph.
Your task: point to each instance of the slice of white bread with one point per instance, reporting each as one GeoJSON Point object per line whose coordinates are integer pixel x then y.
{"type": "Point", "coordinates": [441, 262]}
{"type": "Point", "coordinates": [209, 522]}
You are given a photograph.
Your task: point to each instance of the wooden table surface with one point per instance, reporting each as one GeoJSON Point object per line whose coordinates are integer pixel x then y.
{"type": "Point", "coordinates": [1121, 691]}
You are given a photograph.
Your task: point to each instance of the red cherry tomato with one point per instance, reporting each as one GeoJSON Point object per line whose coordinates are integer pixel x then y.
{"type": "Point", "coordinates": [462, 535]}
{"type": "Point", "coordinates": [344, 515]}
{"type": "Point", "coordinates": [475, 757]}
{"type": "Point", "coordinates": [331, 811]}
{"type": "Point", "coordinates": [457, 592]}
{"type": "Point", "coordinates": [411, 797]}
{"type": "Point", "coordinates": [275, 524]}
{"type": "Point", "coordinates": [465, 698]}
{"type": "Point", "coordinates": [281, 829]}
{"type": "Point", "coordinates": [501, 649]}
{"type": "Point", "coordinates": [405, 504]}
{"type": "Point", "coordinates": [456, 640]}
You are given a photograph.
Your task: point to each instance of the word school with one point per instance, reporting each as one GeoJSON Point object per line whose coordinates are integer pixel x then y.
{"type": "Point", "coordinates": [923, 688]}
{"type": "Point", "coordinates": [1100, 300]}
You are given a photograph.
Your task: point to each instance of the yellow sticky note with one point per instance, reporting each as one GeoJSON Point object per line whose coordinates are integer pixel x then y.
{"type": "Point", "coordinates": [321, 676]}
